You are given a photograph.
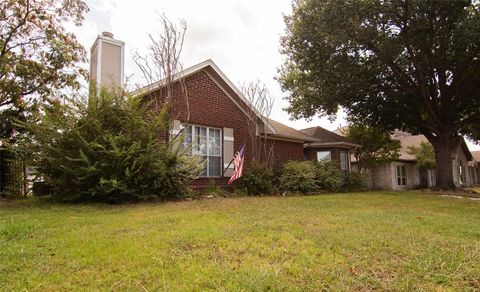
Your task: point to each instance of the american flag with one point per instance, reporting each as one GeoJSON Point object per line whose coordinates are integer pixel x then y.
{"type": "Point", "coordinates": [238, 165]}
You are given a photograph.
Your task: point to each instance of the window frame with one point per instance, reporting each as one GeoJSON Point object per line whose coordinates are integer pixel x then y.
{"type": "Point", "coordinates": [324, 160]}
{"type": "Point", "coordinates": [347, 160]}
{"type": "Point", "coordinates": [207, 136]}
{"type": "Point", "coordinates": [401, 175]}
{"type": "Point", "coordinates": [462, 175]}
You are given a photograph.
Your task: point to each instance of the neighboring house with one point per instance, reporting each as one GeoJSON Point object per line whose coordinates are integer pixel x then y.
{"type": "Point", "coordinates": [329, 147]}
{"type": "Point", "coordinates": [216, 122]}
{"type": "Point", "coordinates": [403, 173]}
{"type": "Point", "coordinates": [475, 167]}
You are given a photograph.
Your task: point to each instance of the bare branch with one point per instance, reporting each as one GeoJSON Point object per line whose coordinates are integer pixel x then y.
{"type": "Point", "coordinates": [162, 63]}
{"type": "Point", "coordinates": [260, 105]}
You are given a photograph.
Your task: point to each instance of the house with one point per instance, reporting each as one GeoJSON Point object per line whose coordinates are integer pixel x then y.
{"type": "Point", "coordinates": [213, 117]}
{"type": "Point", "coordinates": [329, 147]}
{"type": "Point", "coordinates": [403, 172]}
{"type": "Point", "coordinates": [475, 167]}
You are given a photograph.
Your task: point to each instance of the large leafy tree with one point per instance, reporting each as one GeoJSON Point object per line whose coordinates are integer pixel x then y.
{"type": "Point", "coordinates": [377, 146]}
{"type": "Point", "coordinates": [37, 55]}
{"type": "Point", "coordinates": [407, 64]}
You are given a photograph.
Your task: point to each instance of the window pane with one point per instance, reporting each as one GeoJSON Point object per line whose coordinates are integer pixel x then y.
{"type": "Point", "coordinates": [204, 171]}
{"type": "Point", "coordinates": [201, 140]}
{"type": "Point", "coordinates": [343, 160]}
{"type": "Point", "coordinates": [214, 142]}
{"type": "Point", "coordinates": [187, 138]}
{"type": "Point", "coordinates": [324, 156]}
{"type": "Point", "coordinates": [214, 166]}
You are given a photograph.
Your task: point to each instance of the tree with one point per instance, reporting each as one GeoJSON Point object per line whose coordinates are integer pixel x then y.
{"type": "Point", "coordinates": [425, 155]}
{"type": "Point", "coordinates": [377, 146]}
{"type": "Point", "coordinates": [407, 64]}
{"type": "Point", "coordinates": [37, 55]}
{"type": "Point", "coordinates": [260, 105]}
{"type": "Point", "coordinates": [162, 63]}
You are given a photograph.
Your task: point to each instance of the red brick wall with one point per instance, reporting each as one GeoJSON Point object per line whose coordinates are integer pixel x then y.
{"type": "Point", "coordinates": [210, 106]}
{"type": "Point", "coordinates": [285, 151]}
{"type": "Point", "coordinates": [311, 154]}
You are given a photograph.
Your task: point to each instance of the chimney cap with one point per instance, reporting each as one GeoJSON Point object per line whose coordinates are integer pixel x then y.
{"type": "Point", "coordinates": [107, 34]}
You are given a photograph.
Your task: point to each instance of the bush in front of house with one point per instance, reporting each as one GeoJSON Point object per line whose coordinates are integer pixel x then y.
{"type": "Point", "coordinates": [298, 177]}
{"type": "Point", "coordinates": [213, 190]}
{"type": "Point", "coordinates": [354, 181]}
{"type": "Point", "coordinates": [257, 180]}
{"type": "Point", "coordinates": [109, 150]}
{"type": "Point", "coordinates": [328, 177]}
{"type": "Point", "coordinates": [40, 188]}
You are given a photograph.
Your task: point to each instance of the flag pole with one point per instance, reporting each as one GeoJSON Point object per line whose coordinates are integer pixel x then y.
{"type": "Point", "coordinates": [244, 143]}
{"type": "Point", "coordinates": [228, 166]}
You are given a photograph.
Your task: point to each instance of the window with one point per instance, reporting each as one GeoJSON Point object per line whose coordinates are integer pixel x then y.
{"type": "Point", "coordinates": [344, 160]}
{"type": "Point", "coordinates": [401, 175]}
{"type": "Point", "coordinates": [432, 180]}
{"type": "Point", "coordinates": [324, 156]}
{"type": "Point", "coordinates": [205, 142]}
{"type": "Point", "coordinates": [462, 178]}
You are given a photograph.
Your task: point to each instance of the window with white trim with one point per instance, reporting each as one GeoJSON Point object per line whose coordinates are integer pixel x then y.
{"type": "Point", "coordinates": [344, 160]}
{"type": "Point", "coordinates": [462, 178]}
{"type": "Point", "coordinates": [324, 156]}
{"type": "Point", "coordinates": [401, 175]}
{"type": "Point", "coordinates": [207, 143]}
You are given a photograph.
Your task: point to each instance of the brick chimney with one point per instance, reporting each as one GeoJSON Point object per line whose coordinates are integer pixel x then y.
{"type": "Point", "coordinates": [106, 61]}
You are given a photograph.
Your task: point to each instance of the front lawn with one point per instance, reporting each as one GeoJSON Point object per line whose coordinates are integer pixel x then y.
{"type": "Point", "coordinates": [385, 241]}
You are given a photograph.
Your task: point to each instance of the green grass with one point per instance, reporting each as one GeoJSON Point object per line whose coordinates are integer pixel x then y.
{"type": "Point", "coordinates": [381, 241]}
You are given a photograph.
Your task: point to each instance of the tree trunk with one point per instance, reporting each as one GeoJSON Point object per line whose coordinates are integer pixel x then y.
{"type": "Point", "coordinates": [444, 148]}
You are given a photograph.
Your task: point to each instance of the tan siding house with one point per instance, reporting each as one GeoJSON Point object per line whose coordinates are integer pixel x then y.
{"type": "Point", "coordinates": [403, 173]}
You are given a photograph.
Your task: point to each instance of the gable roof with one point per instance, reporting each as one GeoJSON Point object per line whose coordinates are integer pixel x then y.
{"type": "Point", "coordinates": [407, 140]}
{"type": "Point", "coordinates": [273, 128]}
{"type": "Point", "coordinates": [284, 131]}
{"type": "Point", "coordinates": [325, 137]}
{"type": "Point", "coordinates": [212, 70]}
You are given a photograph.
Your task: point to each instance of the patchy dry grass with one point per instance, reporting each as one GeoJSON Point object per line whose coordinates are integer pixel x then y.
{"type": "Point", "coordinates": [366, 241]}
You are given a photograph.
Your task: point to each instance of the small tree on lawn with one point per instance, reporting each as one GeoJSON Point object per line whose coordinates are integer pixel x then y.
{"type": "Point", "coordinates": [425, 155]}
{"type": "Point", "coordinates": [377, 146]}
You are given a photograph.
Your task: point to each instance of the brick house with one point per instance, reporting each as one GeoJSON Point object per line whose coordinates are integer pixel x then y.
{"type": "Point", "coordinates": [329, 147]}
{"type": "Point", "coordinates": [216, 122]}
{"type": "Point", "coordinates": [217, 125]}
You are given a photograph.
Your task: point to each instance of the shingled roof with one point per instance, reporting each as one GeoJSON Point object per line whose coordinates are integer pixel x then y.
{"type": "Point", "coordinates": [284, 131]}
{"type": "Point", "coordinates": [476, 155]}
{"type": "Point", "coordinates": [325, 137]}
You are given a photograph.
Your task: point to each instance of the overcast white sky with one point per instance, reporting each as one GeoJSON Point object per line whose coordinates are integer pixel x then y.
{"type": "Point", "coordinates": [240, 36]}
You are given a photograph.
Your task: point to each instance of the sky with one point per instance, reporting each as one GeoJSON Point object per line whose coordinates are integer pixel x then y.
{"type": "Point", "coordinates": [241, 36]}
